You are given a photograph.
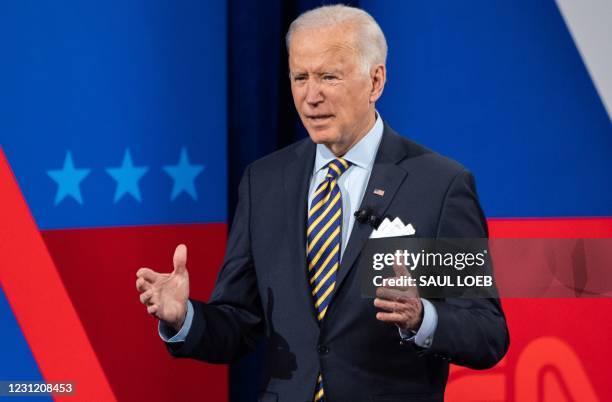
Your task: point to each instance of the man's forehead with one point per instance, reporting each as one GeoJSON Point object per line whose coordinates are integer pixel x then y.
{"type": "Point", "coordinates": [309, 51]}
{"type": "Point", "coordinates": [335, 37]}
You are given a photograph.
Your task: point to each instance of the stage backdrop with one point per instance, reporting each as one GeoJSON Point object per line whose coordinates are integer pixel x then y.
{"type": "Point", "coordinates": [115, 148]}
{"type": "Point", "coordinates": [114, 139]}
{"type": "Point", "coordinates": [517, 92]}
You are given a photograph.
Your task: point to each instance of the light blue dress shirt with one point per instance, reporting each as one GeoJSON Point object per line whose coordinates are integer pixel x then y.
{"type": "Point", "coordinates": [352, 186]}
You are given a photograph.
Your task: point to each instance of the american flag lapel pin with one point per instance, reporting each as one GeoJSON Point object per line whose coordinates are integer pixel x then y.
{"type": "Point", "coordinates": [379, 192]}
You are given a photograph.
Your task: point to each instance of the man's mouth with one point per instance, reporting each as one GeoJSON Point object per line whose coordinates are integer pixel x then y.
{"type": "Point", "coordinates": [319, 117]}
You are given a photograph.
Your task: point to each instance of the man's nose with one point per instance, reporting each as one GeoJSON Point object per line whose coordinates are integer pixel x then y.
{"type": "Point", "coordinates": [314, 94]}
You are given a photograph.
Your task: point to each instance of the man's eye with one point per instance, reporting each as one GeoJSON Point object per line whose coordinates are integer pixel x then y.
{"type": "Point", "coordinates": [329, 77]}
{"type": "Point", "coordinates": [299, 78]}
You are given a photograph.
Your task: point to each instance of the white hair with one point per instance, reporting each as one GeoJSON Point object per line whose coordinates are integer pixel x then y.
{"type": "Point", "coordinates": [371, 43]}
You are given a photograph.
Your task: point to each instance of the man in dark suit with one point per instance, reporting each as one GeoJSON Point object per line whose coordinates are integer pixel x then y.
{"type": "Point", "coordinates": [289, 273]}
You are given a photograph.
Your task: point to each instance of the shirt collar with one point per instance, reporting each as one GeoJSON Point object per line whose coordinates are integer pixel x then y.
{"type": "Point", "coordinates": [361, 154]}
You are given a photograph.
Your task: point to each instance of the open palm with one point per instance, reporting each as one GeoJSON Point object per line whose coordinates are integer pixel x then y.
{"type": "Point", "coordinates": [166, 294]}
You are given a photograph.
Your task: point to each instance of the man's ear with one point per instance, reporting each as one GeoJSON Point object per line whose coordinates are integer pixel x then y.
{"type": "Point", "coordinates": [378, 76]}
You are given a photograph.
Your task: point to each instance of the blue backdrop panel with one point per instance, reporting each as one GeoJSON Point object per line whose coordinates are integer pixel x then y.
{"type": "Point", "coordinates": [500, 87]}
{"type": "Point", "coordinates": [18, 364]}
{"type": "Point", "coordinates": [85, 83]}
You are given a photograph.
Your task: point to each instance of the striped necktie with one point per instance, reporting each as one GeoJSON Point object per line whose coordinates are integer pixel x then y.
{"type": "Point", "coordinates": [324, 242]}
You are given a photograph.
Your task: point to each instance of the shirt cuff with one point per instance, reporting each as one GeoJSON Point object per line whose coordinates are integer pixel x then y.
{"type": "Point", "coordinates": [424, 336]}
{"type": "Point", "coordinates": [168, 334]}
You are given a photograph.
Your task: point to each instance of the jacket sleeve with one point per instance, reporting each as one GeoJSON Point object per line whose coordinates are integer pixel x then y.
{"type": "Point", "coordinates": [470, 332]}
{"type": "Point", "coordinates": [229, 325]}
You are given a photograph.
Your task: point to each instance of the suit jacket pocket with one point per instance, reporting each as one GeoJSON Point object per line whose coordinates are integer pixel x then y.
{"type": "Point", "coordinates": [267, 397]}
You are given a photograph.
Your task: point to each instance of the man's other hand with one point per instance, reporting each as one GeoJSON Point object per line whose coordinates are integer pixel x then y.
{"type": "Point", "coordinates": [401, 305]}
{"type": "Point", "coordinates": [165, 295]}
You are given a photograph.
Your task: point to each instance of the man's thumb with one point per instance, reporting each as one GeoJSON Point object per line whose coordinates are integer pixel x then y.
{"type": "Point", "coordinates": [180, 259]}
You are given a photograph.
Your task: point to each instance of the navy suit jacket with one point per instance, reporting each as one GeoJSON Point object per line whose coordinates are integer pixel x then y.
{"type": "Point", "coordinates": [262, 290]}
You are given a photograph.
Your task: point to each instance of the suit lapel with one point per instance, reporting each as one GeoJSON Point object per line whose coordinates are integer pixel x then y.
{"type": "Point", "coordinates": [386, 175]}
{"type": "Point", "coordinates": [296, 180]}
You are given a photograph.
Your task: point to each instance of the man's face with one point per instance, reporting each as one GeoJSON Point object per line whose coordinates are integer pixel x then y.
{"type": "Point", "coordinates": [333, 96]}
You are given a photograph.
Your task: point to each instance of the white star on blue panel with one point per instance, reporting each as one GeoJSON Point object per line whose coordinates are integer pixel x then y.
{"type": "Point", "coordinates": [68, 180]}
{"type": "Point", "coordinates": [127, 176]}
{"type": "Point", "coordinates": [184, 175]}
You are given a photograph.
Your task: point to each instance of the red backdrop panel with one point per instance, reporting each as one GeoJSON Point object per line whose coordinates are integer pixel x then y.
{"type": "Point", "coordinates": [559, 348]}
{"type": "Point", "coordinates": [98, 268]}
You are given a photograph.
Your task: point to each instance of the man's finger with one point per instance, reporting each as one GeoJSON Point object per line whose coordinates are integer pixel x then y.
{"type": "Point", "coordinates": [394, 292]}
{"type": "Point", "coordinates": [395, 318]}
{"type": "Point", "coordinates": [180, 259]}
{"type": "Point", "coordinates": [400, 270]}
{"type": "Point", "coordinates": [154, 300]}
{"type": "Point", "coordinates": [144, 297]}
{"type": "Point", "coordinates": [389, 293]}
{"type": "Point", "coordinates": [388, 305]}
{"type": "Point", "coordinates": [143, 285]}
{"type": "Point", "coordinates": [397, 294]}
{"type": "Point", "coordinates": [148, 275]}
{"type": "Point", "coordinates": [152, 309]}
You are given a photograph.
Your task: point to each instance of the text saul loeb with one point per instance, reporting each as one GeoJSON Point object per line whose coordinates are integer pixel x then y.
{"type": "Point", "coordinates": [435, 281]}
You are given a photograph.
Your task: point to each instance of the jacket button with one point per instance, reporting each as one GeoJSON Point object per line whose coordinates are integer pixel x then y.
{"type": "Point", "coordinates": [322, 349]}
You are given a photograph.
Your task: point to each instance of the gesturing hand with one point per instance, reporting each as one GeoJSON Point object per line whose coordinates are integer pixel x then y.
{"type": "Point", "coordinates": [165, 295]}
{"type": "Point", "coordinates": [401, 305]}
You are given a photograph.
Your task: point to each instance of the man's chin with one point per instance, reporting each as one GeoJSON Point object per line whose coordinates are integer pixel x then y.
{"type": "Point", "coordinates": [322, 136]}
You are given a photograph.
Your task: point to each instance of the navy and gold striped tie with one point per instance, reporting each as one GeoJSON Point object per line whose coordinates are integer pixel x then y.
{"type": "Point", "coordinates": [324, 243]}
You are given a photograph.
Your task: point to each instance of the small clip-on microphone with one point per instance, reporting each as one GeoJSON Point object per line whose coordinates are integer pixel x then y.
{"type": "Point", "coordinates": [367, 216]}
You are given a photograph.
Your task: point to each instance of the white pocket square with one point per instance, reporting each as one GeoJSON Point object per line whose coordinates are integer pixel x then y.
{"type": "Point", "coordinates": [394, 228]}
